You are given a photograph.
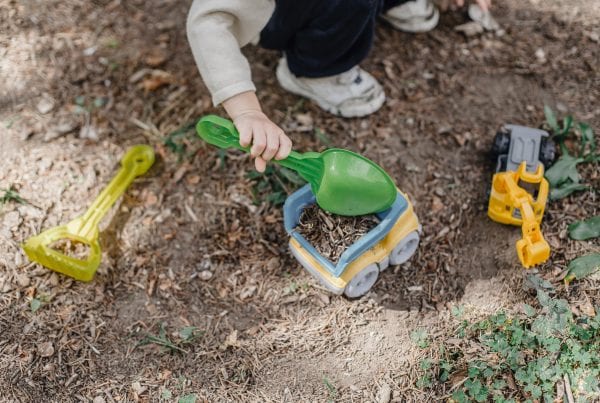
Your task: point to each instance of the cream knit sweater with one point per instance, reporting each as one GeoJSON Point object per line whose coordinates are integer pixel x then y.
{"type": "Point", "coordinates": [216, 30]}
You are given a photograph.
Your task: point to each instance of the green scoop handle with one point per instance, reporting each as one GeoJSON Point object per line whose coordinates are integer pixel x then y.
{"type": "Point", "coordinates": [343, 182]}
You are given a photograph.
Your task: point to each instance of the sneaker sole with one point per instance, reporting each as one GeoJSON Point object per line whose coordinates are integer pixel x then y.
{"type": "Point", "coordinates": [426, 25]}
{"type": "Point", "coordinates": [371, 106]}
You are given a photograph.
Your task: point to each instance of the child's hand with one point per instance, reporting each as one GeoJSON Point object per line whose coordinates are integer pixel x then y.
{"type": "Point", "coordinates": [267, 139]}
{"type": "Point", "coordinates": [485, 5]}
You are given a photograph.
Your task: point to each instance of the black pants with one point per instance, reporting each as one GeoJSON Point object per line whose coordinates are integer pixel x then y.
{"type": "Point", "coordinates": [321, 38]}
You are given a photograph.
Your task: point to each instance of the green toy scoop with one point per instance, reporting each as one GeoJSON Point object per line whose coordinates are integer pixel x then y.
{"type": "Point", "coordinates": [343, 182]}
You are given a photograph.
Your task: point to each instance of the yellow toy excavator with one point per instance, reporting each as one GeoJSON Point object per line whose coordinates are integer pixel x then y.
{"type": "Point", "coordinates": [519, 190]}
{"type": "Point", "coordinates": [512, 204]}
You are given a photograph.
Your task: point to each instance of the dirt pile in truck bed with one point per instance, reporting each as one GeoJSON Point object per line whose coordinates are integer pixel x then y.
{"type": "Point", "coordinates": [332, 234]}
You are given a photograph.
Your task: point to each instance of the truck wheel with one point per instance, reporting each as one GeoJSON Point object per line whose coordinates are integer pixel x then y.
{"type": "Point", "coordinates": [501, 143]}
{"type": "Point", "coordinates": [405, 248]}
{"type": "Point", "coordinates": [547, 153]}
{"type": "Point", "coordinates": [384, 263]}
{"type": "Point", "coordinates": [362, 282]}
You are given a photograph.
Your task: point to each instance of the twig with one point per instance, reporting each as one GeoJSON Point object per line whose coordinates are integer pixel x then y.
{"type": "Point", "coordinates": [568, 389]}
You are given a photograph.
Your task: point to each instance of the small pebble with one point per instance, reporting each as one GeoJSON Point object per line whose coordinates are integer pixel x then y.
{"type": "Point", "coordinates": [205, 275]}
{"type": "Point", "coordinates": [540, 55]}
{"type": "Point", "coordinates": [45, 104]}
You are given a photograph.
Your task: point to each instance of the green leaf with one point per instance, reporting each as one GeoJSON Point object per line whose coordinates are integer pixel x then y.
{"type": "Point", "coordinates": [551, 119]}
{"type": "Point", "coordinates": [529, 310]}
{"type": "Point", "coordinates": [425, 364]}
{"type": "Point", "coordinates": [543, 298]}
{"type": "Point", "coordinates": [566, 189]}
{"type": "Point", "coordinates": [460, 396]}
{"type": "Point", "coordinates": [330, 388]}
{"type": "Point", "coordinates": [420, 338]}
{"type": "Point", "coordinates": [187, 332]}
{"type": "Point", "coordinates": [191, 398]}
{"type": "Point", "coordinates": [583, 266]}
{"type": "Point", "coordinates": [587, 137]}
{"type": "Point", "coordinates": [99, 102]}
{"type": "Point", "coordinates": [166, 394]}
{"type": "Point", "coordinates": [582, 230]}
{"type": "Point", "coordinates": [35, 304]}
{"type": "Point", "coordinates": [538, 283]}
{"type": "Point", "coordinates": [323, 138]}
{"type": "Point", "coordinates": [80, 100]}
{"type": "Point", "coordinates": [563, 170]}
{"type": "Point", "coordinates": [9, 195]}
{"type": "Point", "coordinates": [499, 384]}
{"type": "Point", "coordinates": [567, 123]}
{"type": "Point", "coordinates": [457, 310]}
{"type": "Point", "coordinates": [292, 176]}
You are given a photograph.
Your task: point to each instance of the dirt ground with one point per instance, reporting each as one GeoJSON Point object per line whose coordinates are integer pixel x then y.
{"type": "Point", "coordinates": [81, 81]}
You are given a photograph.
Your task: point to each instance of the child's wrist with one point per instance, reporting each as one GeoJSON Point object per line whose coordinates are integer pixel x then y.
{"type": "Point", "coordinates": [245, 103]}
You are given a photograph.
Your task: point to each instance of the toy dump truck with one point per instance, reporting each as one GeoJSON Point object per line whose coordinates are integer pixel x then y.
{"type": "Point", "coordinates": [519, 190]}
{"type": "Point", "coordinates": [393, 241]}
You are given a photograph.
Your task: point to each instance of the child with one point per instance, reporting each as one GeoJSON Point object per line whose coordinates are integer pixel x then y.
{"type": "Point", "coordinates": [322, 40]}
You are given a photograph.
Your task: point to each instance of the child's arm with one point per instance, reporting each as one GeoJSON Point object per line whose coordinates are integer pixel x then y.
{"type": "Point", "coordinates": [216, 30]}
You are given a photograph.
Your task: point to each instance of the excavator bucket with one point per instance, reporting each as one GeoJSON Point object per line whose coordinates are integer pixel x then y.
{"type": "Point", "coordinates": [531, 254]}
{"type": "Point", "coordinates": [532, 249]}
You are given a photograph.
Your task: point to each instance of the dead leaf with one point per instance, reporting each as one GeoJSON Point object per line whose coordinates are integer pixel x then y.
{"type": "Point", "coordinates": [388, 66]}
{"type": "Point", "coordinates": [23, 280]}
{"type": "Point", "coordinates": [248, 292]}
{"type": "Point", "coordinates": [156, 57]}
{"type": "Point", "coordinates": [437, 204]}
{"type": "Point", "coordinates": [138, 388]}
{"type": "Point", "coordinates": [180, 173]}
{"type": "Point", "coordinates": [587, 308]}
{"type": "Point", "coordinates": [470, 28]}
{"type": "Point", "coordinates": [231, 341]}
{"type": "Point", "coordinates": [45, 349]}
{"type": "Point", "coordinates": [192, 179]}
{"type": "Point", "coordinates": [150, 199]}
{"type": "Point", "coordinates": [157, 79]}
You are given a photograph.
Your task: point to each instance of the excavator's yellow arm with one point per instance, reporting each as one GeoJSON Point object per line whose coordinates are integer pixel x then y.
{"type": "Point", "coordinates": [533, 248]}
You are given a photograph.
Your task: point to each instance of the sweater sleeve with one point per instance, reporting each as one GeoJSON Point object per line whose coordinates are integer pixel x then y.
{"type": "Point", "coordinates": [216, 31]}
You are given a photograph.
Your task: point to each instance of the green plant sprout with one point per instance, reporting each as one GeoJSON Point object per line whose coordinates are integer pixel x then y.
{"type": "Point", "coordinates": [9, 195]}
{"type": "Point", "coordinates": [274, 185]}
{"type": "Point", "coordinates": [178, 140]}
{"type": "Point", "coordinates": [187, 334]}
{"type": "Point", "coordinates": [563, 176]}
{"type": "Point", "coordinates": [522, 357]}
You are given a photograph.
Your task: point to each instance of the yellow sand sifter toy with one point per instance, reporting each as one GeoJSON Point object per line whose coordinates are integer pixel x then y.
{"type": "Point", "coordinates": [84, 229]}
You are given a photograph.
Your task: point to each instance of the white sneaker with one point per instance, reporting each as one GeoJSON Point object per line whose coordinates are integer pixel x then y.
{"type": "Point", "coordinates": [354, 93]}
{"type": "Point", "coordinates": [413, 16]}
